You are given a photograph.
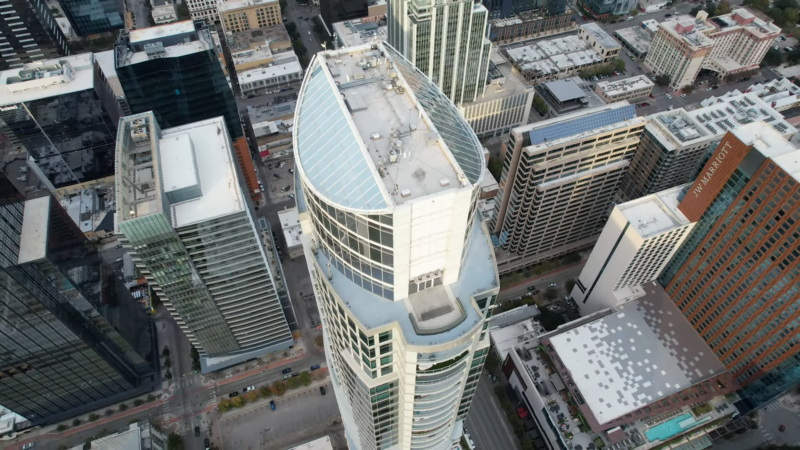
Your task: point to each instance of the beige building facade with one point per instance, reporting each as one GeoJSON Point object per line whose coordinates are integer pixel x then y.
{"type": "Point", "coordinates": [243, 15]}
{"type": "Point", "coordinates": [637, 87]}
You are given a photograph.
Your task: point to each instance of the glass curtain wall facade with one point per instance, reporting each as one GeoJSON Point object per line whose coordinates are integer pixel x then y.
{"type": "Point", "coordinates": [33, 36]}
{"type": "Point", "coordinates": [333, 11]}
{"type": "Point", "coordinates": [178, 89]}
{"type": "Point", "coordinates": [70, 136]}
{"type": "Point", "coordinates": [58, 356]}
{"type": "Point", "coordinates": [93, 16]}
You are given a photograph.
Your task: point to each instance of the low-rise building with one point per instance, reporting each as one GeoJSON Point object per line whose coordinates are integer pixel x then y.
{"type": "Point", "coordinates": [163, 11]}
{"type": "Point", "coordinates": [279, 72]}
{"type": "Point", "coordinates": [553, 59]}
{"type": "Point", "coordinates": [352, 33]}
{"type": "Point", "coordinates": [636, 40]}
{"type": "Point", "coordinates": [626, 89]}
{"type": "Point", "coordinates": [505, 103]}
{"type": "Point", "coordinates": [138, 436]}
{"type": "Point", "coordinates": [323, 443]}
{"type": "Point", "coordinates": [563, 95]}
{"type": "Point", "coordinates": [290, 224]}
{"type": "Point", "coordinates": [526, 24]}
{"type": "Point", "coordinates": [243, 15]}
{"type": "Point", "coordinates": [779, 94]}
{"type": "Point", "coordinates": [648, 6]}
{"type": "Point", "coordinates": [622, 378]}
{"type": "Point", "coordinates": [205, 10]}
{"type": "Point", "coordinates": [599, 40]}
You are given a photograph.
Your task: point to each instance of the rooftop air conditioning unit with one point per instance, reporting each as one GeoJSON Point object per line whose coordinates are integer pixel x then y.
{"type": "Point", "coordinates": [139, 134]}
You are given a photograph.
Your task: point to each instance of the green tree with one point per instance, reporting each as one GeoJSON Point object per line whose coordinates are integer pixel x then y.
{"type": "Point", "coordinates": [291, 28]}
{"type": "Point", "coordinates": [165, 352]}
{"type": "Point", "coordinates": [123, 406]}
{"type": "Point", "coordinates": [109, 412]}
{"type": "Point", "coordinates": [93, 417]}
{"type": "Point", "coordinates": [76, 422]}
{"type": "Point", "coordinates": [265, 391]}
{"type": "Point", "coordinates": [492, 362]}
{"type": "Point", "coordinates": [167, 363]}
{"type": "Point", "coordinates": [224, 405]}
{"type": "Point", "coordinates": [724, 7]}
{"type": "Point", "coordinates": [237, 402]}
{"type": "Point", "coordinates": [551, 293]}
{"type": "Point", "coordinates": [793, 57]}
{"type": "Point", "coordinates": [251, 396]}
{"type": "Point", "coordinates": [282, 4]}
{"type": "Point", "coordinates": [773, 58]}
{"type": "Point", "coordinates": [662, 80]}
{"type": "Point", "coordinates": [299, 47]}
{"type": "Point", "coordinates": [278, 388]}
{"type": "Point", "coordinates": [635, 12]}
{"type": "Point", "coordinates": [550, 320]}
{"type": "Point", "coordinates": [619, 65]}
{"type": "Point", "coordinates": [183, 11]}
{"type": "Point", "coordinates": [527, 444]}
{"type": "Point", "coordinates": [305, 378]}
{"type": "Point", "coordinates": [151, 397]}
{"type": "Point", "coordinates": [761, 5]}
{"type": "Point", "coordinates": [168, 375]}
{"type": "Point", "coordinates": [569, 284]}
{"type": "Point", "coordinates": [495, 167]}
{"type": "Point", "coordinates": [784, 4]}
{"type": "Point", "coordinates": [174, 442]}
{"type": "Point", "coordinates": [194, 353]}
{"type": "Point", "coordinates": [138, 402]}
{"type": "Point", "coordinates": [687, 89]}
{"type": "Point", "coordinates": [293, 383]}
{"type": "Point", "coordinates": [693, 12]}
{"type": "Point", "coordinates": [196, 365]}
{"type": "Point", "coordinates": [539, 105]}
{"type": "Point", "coordinates": [792, 15]}
{"type": "Point", "coordinates": [61, 427]}
{"type": "Point", "coordinates": [710, 8]}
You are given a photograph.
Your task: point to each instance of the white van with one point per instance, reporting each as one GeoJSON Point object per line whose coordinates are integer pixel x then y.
{"type": "Point", "coordinates": [629, 18]}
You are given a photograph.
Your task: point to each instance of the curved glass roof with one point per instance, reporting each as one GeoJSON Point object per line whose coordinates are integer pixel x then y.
{"type": "Point", "coordinates": [329, 149]}
{"type": "Point", "coordinates": [455, 131]}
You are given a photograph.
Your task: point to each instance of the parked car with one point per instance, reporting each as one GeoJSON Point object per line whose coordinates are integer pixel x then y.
{"type": "Point", "coordinates": [782, 428]}
{"type": "Point", "coordinates": [668, 96]}
{"type": "Point", "coordinates": [291, 195]}
{"type": "Point", "coordinates": [197, 431]}
{"type": "Point", "coordinates": [552, 285]}
{"type": "Point", "coordinates": [296, 374]}
{"type": "Point", "coordinates": [277, 175]}
{"type": "Point", "coordinates": [287, 370]}
{"type": "Point", "coordinates": [233, 394]}
{"type": "Point", "coordinates": [322, 390]}
{"type": "Point", "coordinates": [683, 95]}
{"type": "Point", "coordinates": [291, 170]}
{"type": "Point", "coordinates": [714, 87]}
{"type": "Point", "coordinates": [272, 405]}
{"type": "Point", "coordinates": [285, 377]}
{"type": "Point", "coordinates": [667, 15]}
{"type": "Point", "coordinates": [206, 442]}
{"type": "Point", "coordinates": [28, 445]}
{"type": "Point", "coordinates": [315, 367]}
{"type": "Point", "coordinates": [249, 388]}
{"type": "Point", "coordinates": [531, 288]}
{"type": "Point", "coordinates": [269, 166]}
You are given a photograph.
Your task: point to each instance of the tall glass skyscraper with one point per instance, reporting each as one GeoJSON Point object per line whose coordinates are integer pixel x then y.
{"type": "Point", "coordinates": [735, 276]}
{"type": "Point", "coordinates": [33, 34]}
{"type": "Point", "coordinates": [173, 71]}
{"type": "Point", "coordinates": [58, 356]}
{"type": "Point", "coordinates": [52, 110]}
{"type": "Point", "coordinates": [93, 16]}
{"type": "Point", "coordinates": [189, 228]}
{"type": "Point", "coordinates": [403, 268]}
{"type": "Point", "coordinates": [446, 41]}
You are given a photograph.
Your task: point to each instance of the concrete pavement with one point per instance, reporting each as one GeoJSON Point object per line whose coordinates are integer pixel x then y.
{"type": "Point", "coordinates": [487, 422]}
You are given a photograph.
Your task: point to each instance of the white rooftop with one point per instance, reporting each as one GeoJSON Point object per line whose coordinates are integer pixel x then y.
{"type": "Point", "coordinates": [177, 152]}
{"type": "Point", "coordinates": [619, 87]}
{"type": "Point", "coordinates": [688, 29]}
{"type": "Point", "coordinates": [371, 144]}
{"type": "Point", "coordinates": [33, 239]}
{"type": "Point", "coordinates": [265, 73]}
{"type": "Point", "coordinates": [643, 352]}
{"type": "Point", "coordinates": [225, 6]}
{"type": "Point", "coordinates": [323, 443]}
{"type": "Point", "coordinates": [656, 213]}
{"type": "Point", "coordinates": [552, 55]}
{"type": "Point", "coordinates": [160, 31]}
{"type": "Point", "coordinates": [173, 51]}
{"type": "Point", "coordinates": [770, 143]}
{"type": "Point", "coordinates": [290, 224]}
{"type": "Point", "coordinates": [600, 35]}
{"type": "Point", "coordinates": [106, 62]}
{"type": "Point", "coordinates": [221, 192]}
{"type": "Point", "coordinates": [47, 78]}
{"type": "Point", "coordinates": [351, 36]}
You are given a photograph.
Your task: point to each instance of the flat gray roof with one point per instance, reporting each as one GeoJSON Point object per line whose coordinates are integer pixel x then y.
{"type": "Point", "coordinates": [565, 90]}
{"type": "Point", "coordinates": [643, 352]}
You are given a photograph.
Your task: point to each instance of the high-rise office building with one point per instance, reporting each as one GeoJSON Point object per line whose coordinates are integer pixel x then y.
{"type": "Point", "coordinates": [446, 41]}
{"type": "Point", "coordinates": [59, 113]}
{"type": "Point", "coordinates": [173, 71]}
{"type": "Point", "coordinates": [58, 356]}
{"type": "Point", "coordinates": [93, 16]}
{"type": "Point", "coordinates": [636, 243]}
{"type": "Point", "coordinates": [559, 180]}
{"type": "Point", "coordinates": [734, 277]}
{"type": "Point", "coordinates": [403, 268]}
{"type": "Point", "coordinates": [676, 143]}
{"type": "Point", "coordinates": [189, 227]}
{"type": "Point", "coordinates": [29, 33]}
{"type": "Point", "coordinates": [500, 9]}
{"type": "Point", "coordinates": [333, 11]}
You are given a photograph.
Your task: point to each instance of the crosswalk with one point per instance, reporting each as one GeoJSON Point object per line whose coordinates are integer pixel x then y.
{"type": "Point", "coordinates": [774, 406]}
{"type": "Point", "coordinates": [768, 438]}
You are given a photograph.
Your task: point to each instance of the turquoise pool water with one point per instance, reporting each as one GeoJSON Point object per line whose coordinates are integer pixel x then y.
{"type": "Point", "coordinates": [666, 430]}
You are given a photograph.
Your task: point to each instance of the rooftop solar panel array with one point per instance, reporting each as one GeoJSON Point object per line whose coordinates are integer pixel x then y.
{"type": "Point", "coordinates": [581, 124]}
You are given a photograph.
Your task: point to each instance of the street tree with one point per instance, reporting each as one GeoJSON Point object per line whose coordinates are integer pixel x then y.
{"type": "Point", "coordinates": [265, 391]}
{"type": "Point", "coordinates": [165, 352]}
{"type": "Point", "coordinates": [278, 388]}
{"type": "Point", "coordinates": [237, 402]}
{"type": "Point", "coordinates": [687, 89]}
{"type": "Point", "coordinates": [550, 293]}
{"type": "Point", "coordinates": [251, 396]}
{"type": "Point", "coordinates": [305, 378]}
{"type": "Point", "coordinates": [293, 383]}
{"type": "Point", "coordinates": [224, 405]}
{"type": "Point", "coordinates": [662, 80]}
{"type": "Point", "coordinates": [773, 58]}
{"type": "Point", "coordinates": [174, 442]}
{"type": "Point", "coordinates": [723, 8]}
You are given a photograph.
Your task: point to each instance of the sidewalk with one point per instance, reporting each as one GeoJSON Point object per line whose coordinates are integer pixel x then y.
{"type": "Point", "coordinates": [256, 370]}
{"type": "Point", "coordinates": [542, 276]}
{"type": "Point", "coordinates": [265, 401]}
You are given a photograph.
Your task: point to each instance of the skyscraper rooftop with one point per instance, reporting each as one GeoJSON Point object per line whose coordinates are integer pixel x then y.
{"type": "Point", "coordinates": [46, 79]}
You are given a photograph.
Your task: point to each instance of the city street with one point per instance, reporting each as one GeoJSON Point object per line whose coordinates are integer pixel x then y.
{"type": "Point", "coordinates": [298, 14]}
{"type": "Point", "coordinates": [487, 422]}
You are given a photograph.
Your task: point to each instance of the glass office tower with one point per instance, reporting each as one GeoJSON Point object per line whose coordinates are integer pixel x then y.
{"type": "Point", "coordinates": [93, 16]}
{"type": "Point", "coordinates": [52, 110]}
{"type": "Point", "coordinates": [58, 356]}
{"type": "Point", "coordinates": [173, 71]}
{"type": "Point", "coordinates": [333, 11]}
{"type": "Point", "coordinates": [35, 35]}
